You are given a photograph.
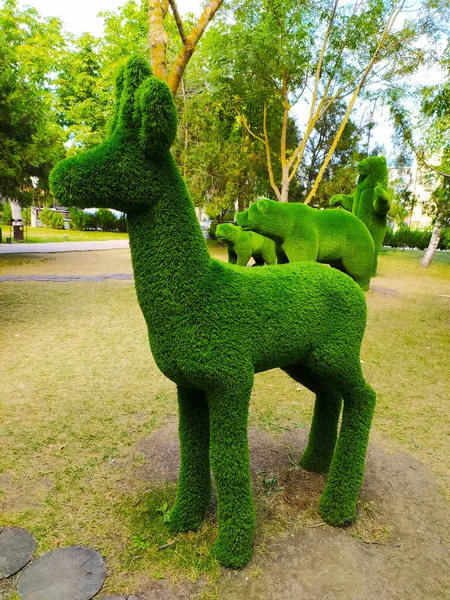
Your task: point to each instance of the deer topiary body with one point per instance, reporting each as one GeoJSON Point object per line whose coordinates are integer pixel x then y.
{"type": "Point", "coordinates": [212, 326]}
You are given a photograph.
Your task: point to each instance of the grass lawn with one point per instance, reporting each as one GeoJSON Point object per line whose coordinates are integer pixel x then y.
{"type": "Point", "coordinates": [46, 234]}
{"type": "Point", "coordinates": [81, 394]}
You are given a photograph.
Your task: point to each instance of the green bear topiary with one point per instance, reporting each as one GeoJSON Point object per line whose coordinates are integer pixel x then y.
{"type": "Point", "coordinates": [243, 245]}
{"type": "Point", "coordinates": [371, 200]}
{"type": "Point", "coordinates": [300, 232]}
{"type": "Point", "coordinates": [213, 325]}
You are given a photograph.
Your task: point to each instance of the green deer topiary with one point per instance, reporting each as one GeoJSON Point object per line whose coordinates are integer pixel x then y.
{"type": "Point", "coordinates": [213, 325]}
{"type": "Point", "coordinates": [371, 200]}
{"type": "Point", "coordinates": [243, 245]}
{"type": "Point", "coordinates": [333, 237]}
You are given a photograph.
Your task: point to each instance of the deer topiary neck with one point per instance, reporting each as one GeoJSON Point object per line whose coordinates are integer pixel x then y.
{"type": "Point", "coordinates": [169, 254]}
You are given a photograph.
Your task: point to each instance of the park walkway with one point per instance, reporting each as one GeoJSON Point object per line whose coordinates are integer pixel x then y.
{"type": "Point", "coordinates": [64, 278]}
{"type": "Point", "coordinates": [62, 247]}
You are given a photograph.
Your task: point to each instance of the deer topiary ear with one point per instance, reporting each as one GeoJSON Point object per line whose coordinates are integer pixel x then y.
{"type": "Point", "coordinates": [130, 77]}
{"type": "Point", "coordinates": [155, 111]}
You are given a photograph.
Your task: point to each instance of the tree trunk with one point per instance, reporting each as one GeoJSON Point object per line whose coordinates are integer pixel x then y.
{"type": "Point", "coordinates": [285, 184]}
{"type": "Point", "coordinates": [429, 253]}
{"type": "Point", "coordinates": [157, 37]}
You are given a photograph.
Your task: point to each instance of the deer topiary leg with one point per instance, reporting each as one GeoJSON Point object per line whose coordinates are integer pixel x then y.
{"type": "Point", "coordinates": [228, 409]}
{"type": "Point", "coordinates": [323, 433]}
{"type": "Point", "coordinates": [194, 483]}
{"type": "Point", "coordinates": [339, 499]}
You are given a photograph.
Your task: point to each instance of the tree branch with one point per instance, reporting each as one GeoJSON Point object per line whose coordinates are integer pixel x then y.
{"type": "Point", "coordinates": [420, 159]}
{"type": "Point", "coordinates": [244, 122]}
{"type": "Point", "coordinates": [191, 41]}
{"type": "Point", "coordinates": [386, 31]}
{"type": "Point", "coordinates": [178, 21]}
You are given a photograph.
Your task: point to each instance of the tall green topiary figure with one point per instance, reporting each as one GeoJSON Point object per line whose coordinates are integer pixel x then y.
{"type": "Point", "coordinates": [300, 232]}
{"type": "Point", "coordinates": [243, 245]}
{"type": "Point", "coordinates": [213, 325]}
{"type": "Point", "coordinates": [371, 200]}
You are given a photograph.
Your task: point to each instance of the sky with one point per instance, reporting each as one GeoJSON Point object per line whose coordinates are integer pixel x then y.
{"type": "Point", "coordinates": [80, 16]}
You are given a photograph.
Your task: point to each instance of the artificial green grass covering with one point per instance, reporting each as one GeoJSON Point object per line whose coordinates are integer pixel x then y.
{"type": "Point", "coordinates": [243, 245]}
{"type": "Point", "coordinates": [213, 325]}
{"type": "Point", "coordinates": [371, 200]}
{"type": "Point", "coordinates": [300, 232]}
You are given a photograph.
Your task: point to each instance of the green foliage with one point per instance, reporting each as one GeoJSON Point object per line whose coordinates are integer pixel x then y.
{"type": "Point", "coordinates": [213, 325]}
{"type": "Point", "coordinates": [51, 218]}
{"type": "Point", "coordinates": [405, 237]}
{"type": "Point", "coordinates": [57, 221]}
{"type": "Point", "coordinates": [271, 51]}
{"type": "Point", "coordinates": [304, 233]}
{"type": "Point", "coordinates": [165, 512]}
{"type": "Point", "coordinates": [371, 200]}
{"type": "Point", "coordinates": [341, 172]}
{"type": "Point", "coordinates": [78, 219]}
{"type": "Point", "coordinates": [6, 214]}
{"type": "Point", "coordinates": [107, 220]}
{"type": "Point", "coordinates": [30, 139]}
{"type": "Point", "coordinates": [244, 245]}
{"type": "Point", "coordinates": [46, 216]}
{"type": "Point", "coordinates": [26, 215]}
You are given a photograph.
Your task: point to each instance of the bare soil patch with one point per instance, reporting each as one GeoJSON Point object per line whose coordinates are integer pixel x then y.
{"type": "Point", "coordinates": [398, 549]}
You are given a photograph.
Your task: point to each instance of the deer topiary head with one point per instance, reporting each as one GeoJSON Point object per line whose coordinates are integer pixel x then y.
{"type": "Point", "coordinates": [130, 167]}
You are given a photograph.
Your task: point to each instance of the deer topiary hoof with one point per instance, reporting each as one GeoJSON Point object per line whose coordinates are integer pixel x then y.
{"type": "Point", "coordinates": [337, 512]}
{"type": "Point", "coordinates": [316, 464]}
{"type": "Point", "coordinates": [182, 521]}
{"type": "Point", "coordinates": [233, 556]}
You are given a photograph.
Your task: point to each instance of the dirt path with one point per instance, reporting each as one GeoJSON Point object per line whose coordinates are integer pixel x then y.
{"type": "Point", "coordinates": [322, 563]}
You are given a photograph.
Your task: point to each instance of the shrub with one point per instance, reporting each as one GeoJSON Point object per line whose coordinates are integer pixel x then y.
{"type": "Point", "coordinates": [91, 221]}
{"type": "Point", "coordinates": [212, 230]}
{"type": "Point", "coordinates": [6, 214]}
{"type": "Point", "coordinates": [78, 219]}
{"type": "Point", "coordinates": [444, 244]}
{"type": "Point", "coordinates": [405, 237]}
{"type": "Point", "coordinates": [57, 220]}
{"type": "Point", "coordinates": [26, 215]}
{"type": "Point", "coordinates": [46, 216]}
{"type": "Point", "coordinates": [107, 220]}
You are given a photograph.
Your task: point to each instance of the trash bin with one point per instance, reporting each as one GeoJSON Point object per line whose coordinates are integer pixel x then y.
{"type": "Point", "coordinates": [17, 227]}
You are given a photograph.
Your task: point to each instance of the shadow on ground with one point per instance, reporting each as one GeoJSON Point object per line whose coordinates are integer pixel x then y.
{"type": "Point", "coordinates": [318, 562]}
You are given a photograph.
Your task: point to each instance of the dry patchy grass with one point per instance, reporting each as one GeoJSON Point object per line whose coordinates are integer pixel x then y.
{"type": "Point", "coordinates": [80, 390]}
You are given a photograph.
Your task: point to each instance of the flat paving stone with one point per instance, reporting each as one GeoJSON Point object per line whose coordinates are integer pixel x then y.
{"type": "Point", "coordinates": [16, 549]}
{"type": "Point", "coordinates": [72, 573]}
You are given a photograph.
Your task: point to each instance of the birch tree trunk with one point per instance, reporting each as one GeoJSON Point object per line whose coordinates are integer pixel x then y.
{"type": "Point", "coordinates": [434, 242]}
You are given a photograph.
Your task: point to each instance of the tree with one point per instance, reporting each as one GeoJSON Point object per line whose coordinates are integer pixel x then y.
{"type": "Point", "coordinates": [429, 141]}
{"type": "Point", "coordinates": [283, 51]}
{"type": "Point", "coordinates": [83, 98]}
{"type": "Point", "coordinates": [30, 139]}
{"type": "Point", "coordinates": [341, 169]}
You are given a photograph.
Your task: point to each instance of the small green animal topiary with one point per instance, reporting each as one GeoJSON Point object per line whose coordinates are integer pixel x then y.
{"type": "Point", "coordinates": [243, 245]}
{"type": "Point", "coordinates": [371, 200]}
{"type": "Point", "coordinates": [300, 232]}
{"type": "Point", "coordinates": [212, 325]}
